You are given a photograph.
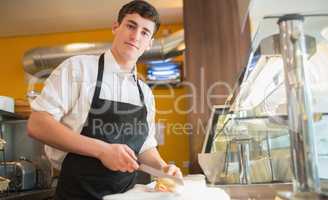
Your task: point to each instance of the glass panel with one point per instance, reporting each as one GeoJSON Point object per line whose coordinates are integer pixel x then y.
{"type": "Point", "coordinates": [259, 117]}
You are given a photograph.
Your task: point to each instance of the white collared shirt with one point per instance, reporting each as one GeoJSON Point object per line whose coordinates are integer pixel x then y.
{"type": "Point", "coordinates": [69, 90]}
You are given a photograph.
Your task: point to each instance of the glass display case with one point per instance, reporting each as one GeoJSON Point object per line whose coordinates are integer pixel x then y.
{"type": "Point", "coordinates": [271, 121]}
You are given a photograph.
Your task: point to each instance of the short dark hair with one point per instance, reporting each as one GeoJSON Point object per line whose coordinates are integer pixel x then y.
{"type": "Point", "coordinates": [144, 9]}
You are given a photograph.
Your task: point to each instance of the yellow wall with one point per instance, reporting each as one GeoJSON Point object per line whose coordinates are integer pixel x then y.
{"type": "Point", "coordinates": [12, 49]}
{"type": "Point", "coordinates": [176, 146]}
{"type": "Point", "coordinates": [12, 80]}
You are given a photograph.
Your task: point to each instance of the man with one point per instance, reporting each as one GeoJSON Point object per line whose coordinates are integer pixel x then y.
{"type": "Point", "coordinates": [94, 108]}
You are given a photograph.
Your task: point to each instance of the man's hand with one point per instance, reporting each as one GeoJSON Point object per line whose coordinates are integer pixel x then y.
{"type": "Point", "coordinates": [118, 157]}
{"type": "Point", "coordinates": [172, 170]}
{"type": "Point", "coordinates": [152, 158]}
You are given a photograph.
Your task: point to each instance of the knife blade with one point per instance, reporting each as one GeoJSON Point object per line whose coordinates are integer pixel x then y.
{"type": "Point", "coordinates": [158, 173]}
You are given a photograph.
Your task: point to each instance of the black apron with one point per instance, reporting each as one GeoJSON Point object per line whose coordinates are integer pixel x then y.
{"type": "Point", "coordinates": [83, 177]}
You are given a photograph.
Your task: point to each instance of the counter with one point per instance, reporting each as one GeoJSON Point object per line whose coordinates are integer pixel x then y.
{"type": "Point", "coordinates": [255, 191]}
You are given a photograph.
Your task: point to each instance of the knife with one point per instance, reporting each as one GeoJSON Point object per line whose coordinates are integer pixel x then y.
{"type": "Point", "coordinates": [158, 173]}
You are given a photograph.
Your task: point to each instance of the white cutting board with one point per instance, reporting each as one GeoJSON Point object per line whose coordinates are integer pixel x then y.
{"type": "Point", "coordinates": [192, 190]}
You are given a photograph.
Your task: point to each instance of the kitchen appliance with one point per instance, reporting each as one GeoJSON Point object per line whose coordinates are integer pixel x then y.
{"type": "Point", "coordinates": [22, 174]}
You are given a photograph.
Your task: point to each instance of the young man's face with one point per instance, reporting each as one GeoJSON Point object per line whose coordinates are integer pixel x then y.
{"type": "Point", "coordinates": [132, 36]}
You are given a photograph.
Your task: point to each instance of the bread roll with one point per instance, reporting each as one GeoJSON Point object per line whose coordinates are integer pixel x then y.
{"type": "Point", "coordinates": [165, 185]}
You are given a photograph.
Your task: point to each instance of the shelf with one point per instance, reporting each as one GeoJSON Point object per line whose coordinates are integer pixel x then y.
{"type": "Point", "coordinates": [9, 116]}
{"type": "Point", "coordinates": [283, 117]}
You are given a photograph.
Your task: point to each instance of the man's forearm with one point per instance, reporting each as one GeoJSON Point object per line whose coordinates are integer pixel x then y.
{"type": "Point", "coordinates": [153, 158]}
{"type": "Point", "coordinates": [43, 127]}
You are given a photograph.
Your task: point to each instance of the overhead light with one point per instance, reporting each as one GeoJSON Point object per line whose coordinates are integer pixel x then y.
{"type": "Point", "coordinates": [79, 46]}
{"type": "Point", "coordinates": [324, 33]}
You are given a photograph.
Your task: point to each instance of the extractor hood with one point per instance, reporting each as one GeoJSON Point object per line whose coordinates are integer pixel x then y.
{"type": "Point", "coordinates": [39, 62]}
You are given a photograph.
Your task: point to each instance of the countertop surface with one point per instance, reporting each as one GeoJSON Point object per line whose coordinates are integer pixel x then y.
{"type": "Point", "coordinates": [192, 190]}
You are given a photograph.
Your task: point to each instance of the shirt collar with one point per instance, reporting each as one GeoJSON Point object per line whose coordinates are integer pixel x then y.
{"type": "Point", "coordinates": [112, 66]}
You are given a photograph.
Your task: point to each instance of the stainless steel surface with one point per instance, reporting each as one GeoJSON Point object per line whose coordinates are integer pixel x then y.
{"type": "Point", "coordinates": [269, 148]}
{"type": "Point", "coordinates": [243, 154]}
{"type": "Point", "coordinates": [271, 45]}
{"type": "Point", "coordinates": [158, 173]}
{"type": "Point", "coordinates": [18, 146]}
{"type": "Point", "coordinates": [22, 175]}
{"type": "Point", "coordinates": [300, 112]}
{"type": "Point", "coordinates": [26, 175]}
{"type": "Point", "coordinates": [40, 62]}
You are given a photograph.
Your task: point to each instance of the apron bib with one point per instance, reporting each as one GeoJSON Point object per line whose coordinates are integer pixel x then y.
{"type": "Point", "coordinates": [84, 177]}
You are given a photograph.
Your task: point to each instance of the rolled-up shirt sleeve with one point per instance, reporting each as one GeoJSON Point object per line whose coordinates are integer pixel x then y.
{"type": "Point", "coordinates": [151, 139]}
{"type": "Point", "coordinates": [60, 91]}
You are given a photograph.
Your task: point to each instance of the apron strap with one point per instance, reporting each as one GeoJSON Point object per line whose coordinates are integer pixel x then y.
{"type": "Point", "coordinates": [99, 77]}
{"type": "Point", "coordinates": [140, 91]}
{"type": "Point", "coordinates": [101, 64]}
